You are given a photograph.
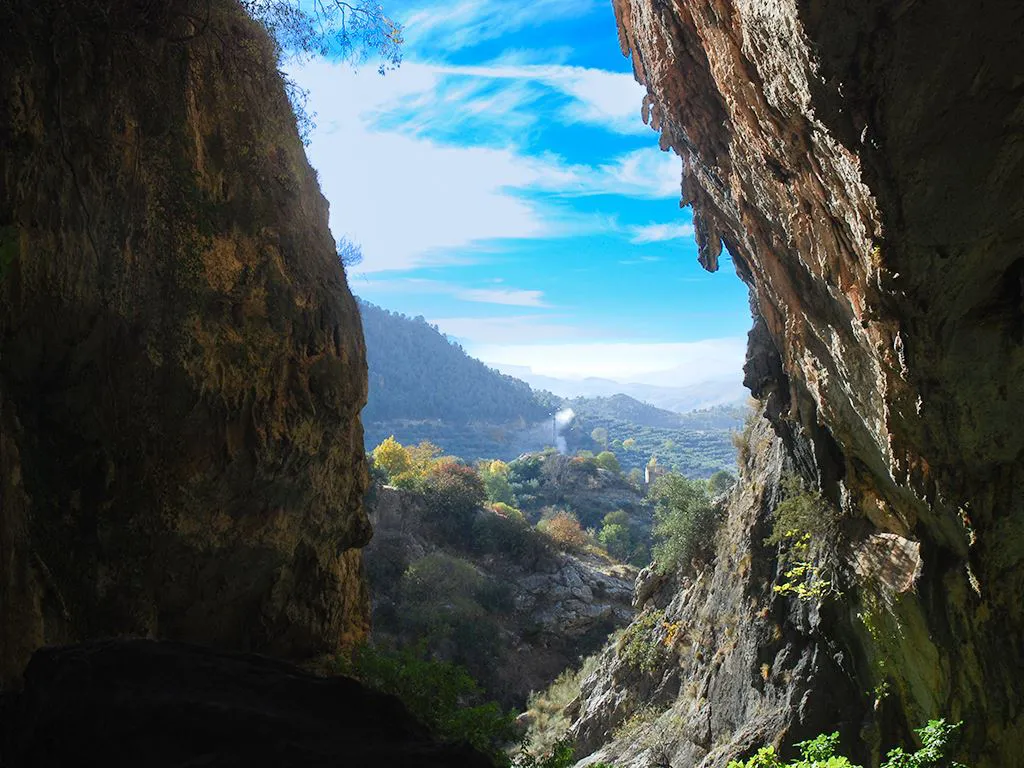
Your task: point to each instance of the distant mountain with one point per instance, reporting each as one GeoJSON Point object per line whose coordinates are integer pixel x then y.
{"type": "Point", "coordinates": [697, 443]}
{"type": "Point", "coordinates": [416, 373]}
{"type": "Point", "coordinates": [679, 399]}
{"type": "Point", "coordinates": [625, 408]}
{"type": "Point", "coordinates": [423, 386]}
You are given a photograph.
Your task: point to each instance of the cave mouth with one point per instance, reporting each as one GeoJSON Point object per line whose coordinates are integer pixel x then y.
{"type": "Point", "coordinates": [540, 228]}
{"type": "Point", "coordinates": [534, 304]}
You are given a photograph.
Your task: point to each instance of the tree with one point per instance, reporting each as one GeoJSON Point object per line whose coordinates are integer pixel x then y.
{"type": "Point", "coordinates": [615, 535]}
{"type": "Point", "coordinates": [600, 436]}
{"type": "Point", "coordinates": [607, 460]}
{"type": "Point", "coordinates": [564, 530]}
{"type": "Point", "coordinates": [629, 444]}
{"type": "Point", "coordinates": [684, 521]}
{"type": "Point", "coordinates": [423, 457]}
{"type": "Point", "coordinates": [392, 457]}
{"type": "Point", "coordinates": [352, 31]}
{"type": "Point", "coordinates": [721, 481]}
{"type": "Point", "coordinates": [349, 253]}
{"type": "Point", "coordinates": [454, 493]}
{"type": "Point", "coordinates": [494, 475]}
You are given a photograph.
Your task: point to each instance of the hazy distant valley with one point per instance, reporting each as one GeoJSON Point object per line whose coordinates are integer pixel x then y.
{"type": "Point", "coordinates": [422, 386]}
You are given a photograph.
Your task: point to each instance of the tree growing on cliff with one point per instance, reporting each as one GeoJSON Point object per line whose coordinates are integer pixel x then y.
{"type": "Point", "coordinates": [353, 31]}
{"type": "Point", "coordinates": [685, 522]}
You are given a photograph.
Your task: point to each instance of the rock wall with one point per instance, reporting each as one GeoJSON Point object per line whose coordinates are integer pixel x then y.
{"type": "Point", "coordinates": [181, 362]}
{"type": "Point", "coordinates": [726, 665]}
{"type": "Point", "coordinates": [862, 164]}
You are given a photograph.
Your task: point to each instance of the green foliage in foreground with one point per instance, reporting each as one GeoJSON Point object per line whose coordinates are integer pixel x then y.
{"type": "Point", "coordinates": [820, 752]}
{"type": "Point", "coordinates": [447, 700]}
{"type": "Point", "coordinates": [441, 695]}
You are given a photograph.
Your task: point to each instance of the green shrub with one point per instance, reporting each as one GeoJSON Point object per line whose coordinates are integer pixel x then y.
{"type": "Point", "coordinates": [440, 694]}
{"type": "Point", "coordinates": [607, 460]}
{"type": "Point", "coordinates": [440, 574]}
{"type": "Point", "coordinates": [559, 755]}
{"type": "Point", "coordinates": [685, 523]}
{"type": "Point", "coordinates": [453, 493]}
{"type": "Point", "coordinates": [494, 475]}
{"type": "Point", "coordinates": [807, 530]}
{"type": "Point", "coordinates": [640, 645]}
{"type": "Point", "coordinates": [937, 739]}
{"type": "Point", "coordinates": [721, 481]}
{"type": "Point", "coordinates": [820, 752]}
{"type": "Point", "coordinates": [616, 539]}
{"type": "Point", "coordinates": [454, 609]}
{"type": "Point", "coordinates": [510, 536]}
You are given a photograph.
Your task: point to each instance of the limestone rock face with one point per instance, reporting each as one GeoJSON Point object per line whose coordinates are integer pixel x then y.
{"type": "Point", "coordinates": [862, 163]}
{"type": "Point", "coordinates": [717, 664]}
{"type": "Point", "coordinates": [181, 362]}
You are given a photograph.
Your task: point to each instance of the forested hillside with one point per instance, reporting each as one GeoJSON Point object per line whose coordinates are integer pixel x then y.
{"type": "Point", "coordinates": [697, 444]}
{"type": "Point", "coordinates": [417, 374]}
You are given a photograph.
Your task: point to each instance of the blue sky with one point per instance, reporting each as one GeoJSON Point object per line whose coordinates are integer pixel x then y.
{"type": "Point", "coordinates": [502, 184]}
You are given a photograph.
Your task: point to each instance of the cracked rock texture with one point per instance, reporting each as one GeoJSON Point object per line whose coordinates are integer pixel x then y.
{"type": "Point", "coordinates": [731, 665]}
{"type": "Point", "coordinates": [862, 163]}
{"type": "Point", "coordinates": [181, 362]}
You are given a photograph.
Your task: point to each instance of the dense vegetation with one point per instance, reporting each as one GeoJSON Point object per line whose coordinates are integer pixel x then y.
{"type": "Point", "coordinates": [696, 444]}
{"type": "Point", "coordinates": [417, 374]}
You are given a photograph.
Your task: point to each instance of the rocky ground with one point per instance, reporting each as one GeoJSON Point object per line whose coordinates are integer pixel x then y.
{"type": "Point", "coordinates": [558, 606]}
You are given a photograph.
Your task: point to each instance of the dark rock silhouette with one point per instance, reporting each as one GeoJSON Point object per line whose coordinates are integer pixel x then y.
{"type": "Point", "coordinates": [171, 705]}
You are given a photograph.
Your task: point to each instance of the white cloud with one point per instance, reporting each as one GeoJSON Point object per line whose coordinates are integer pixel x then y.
{"type": "Point", "coordinates": [655, 363]}
{"type": "Point", "coordinates": [470, 22]}
{"type": "Point", "coordinates": [641, 260]}
{"type": "Point", "coordinates": [656, 233]}
{"type": "Point", "coordinates": [509, 297]}
{"type": "Point", "coordinates": [513, 297]}
{"type": "Point", "coordinates": [411, 201]}
{"type": "Point", "coordinates": [609, 100]}
{"type": "Point", "coordinates": [482, 332]}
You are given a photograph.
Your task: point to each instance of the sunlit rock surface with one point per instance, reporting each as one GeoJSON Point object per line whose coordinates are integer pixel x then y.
{"type": "Point", "coordinates": [181, 362]}
{"type": "Point", "coordinates": [862, 163]}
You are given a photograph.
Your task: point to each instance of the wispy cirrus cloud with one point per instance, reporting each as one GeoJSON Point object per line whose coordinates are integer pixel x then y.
{"type": "Point", "coordinates": [657, 233]}
{"type": "Point", "coordinates": [511, 297]}
{"type": "Point", "coordinates": [506, 296]}
{"type": "Point", "coordinates": [450, 198]}
{"type": "Point", "coordinates": [609, 100]}
{"type": "Point", "coordinates": [471, 22]}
